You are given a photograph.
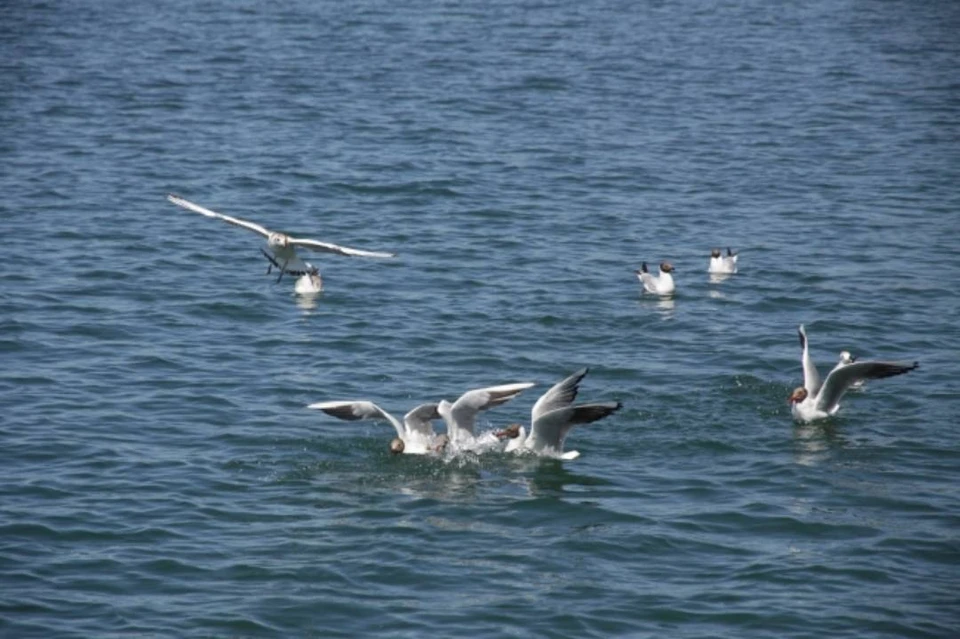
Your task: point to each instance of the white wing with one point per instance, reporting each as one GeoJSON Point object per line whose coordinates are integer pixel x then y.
{"type": "Point", "coordinates": [326, 247]}
{"type": "Point", "coordinates": [196, 208]}
{"type": "Point", "coordinates": [418, 419]}
{"type": "Point", "coordinates": [355, 410]}
{"type": "Point", "coordinates": [550, 429]}
{"type": "Point", "coordinates": [464, 411]}
{"type": "Point", "coordinates": [649, 282]}
{"type": "Point", "coordinates": [842, 378]}
{"type": "Point", "coordinates": [811, 378]}
{"type": "Point", "coordinates": [560, 395]}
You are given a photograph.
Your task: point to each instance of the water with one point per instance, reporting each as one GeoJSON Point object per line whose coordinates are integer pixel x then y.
{"type": "Point", "coordinates": [159, 474]}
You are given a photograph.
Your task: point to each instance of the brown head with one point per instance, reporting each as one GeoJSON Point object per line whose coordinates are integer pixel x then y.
{"type": "Point", "coordinates": [799, 394]}
{"type": "Point", "coordinates": [666, 267]}
{"type": "Point", "coordinates": [510, 432]}
{"type": "Point", "coordinates": [715, 253]}
{"type": "Point", "coordinates": [396, 446]}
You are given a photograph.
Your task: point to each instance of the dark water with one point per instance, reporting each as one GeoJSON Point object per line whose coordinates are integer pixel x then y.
{"type": "Point", "coordinates": [160, 476]}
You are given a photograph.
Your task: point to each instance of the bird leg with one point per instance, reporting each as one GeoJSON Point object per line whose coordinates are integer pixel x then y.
{"type": "Point", "coordinates": [272, 261]}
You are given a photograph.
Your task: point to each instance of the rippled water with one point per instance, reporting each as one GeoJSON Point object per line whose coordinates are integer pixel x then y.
{"type": "Point", "coordinates": [159, 474]}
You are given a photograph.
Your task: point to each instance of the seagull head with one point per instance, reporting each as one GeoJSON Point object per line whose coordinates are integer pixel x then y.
{"type": "Point", "coordinates": [666, 267]}
{"type": "Point", "coordinates": [444, 408]}
{"type": "Point", "coordinates": [799, 394]}
{"type": "Point", "coordinates": [715, 253]}
{"type": "Point", "coordinates": [847, 358]}
{"type": "Point", "coordinates": [278, 240]}
{"type": "Point", "coordinates": [510, 432]}
{"type": "Point", "coordinates": [397, 446]}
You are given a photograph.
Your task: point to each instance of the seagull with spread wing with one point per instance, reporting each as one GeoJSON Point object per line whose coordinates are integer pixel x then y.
{"type": "Point", "coordinates": [552, 418]}
{"type": "Point", "coordinates": [282, 249]}
{"type": "Point", "coordinates": [461, 415]}
{"type": "Point", "coordinates": [415, 435]}
{"type": "Point", "coordinates": [814, 400]}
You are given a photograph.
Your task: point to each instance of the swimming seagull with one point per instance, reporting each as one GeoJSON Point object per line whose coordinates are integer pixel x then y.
{"type": "Point", "coordinates": [553, 416]}
{"type": "Point", "coordinates": [662, 285]}
{"type": "Point", "coordinates": [723, 264]}
{"type": "Point", "coordinates": [415, 435]}
{"type": "Point", "coordinates": [461, 415]}
{"type": "Point", "coordinates": [814, 400]}
{"type": "Point", "coordinates": [282, 247]}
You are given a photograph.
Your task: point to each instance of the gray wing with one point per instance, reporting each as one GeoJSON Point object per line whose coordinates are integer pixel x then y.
{"type": "Point", "coordinates": [326, 247]}
{"type": "Point", "coordinates": [196, 208]}
{"type": "Point", "coordinates": [560, 395]}
{"type": "Point", "coordinates": [418, 420]}
{"type": "Point", "coordinates": [811, 378]}
{"type": "Point", "coordinates": [551, 428]}
{"type": "Point", "coordinates": [356, 410]}
{"type": "Point", "coordinates": [464, 410]}
{"type": "Point", "coordinates": [842, 378]}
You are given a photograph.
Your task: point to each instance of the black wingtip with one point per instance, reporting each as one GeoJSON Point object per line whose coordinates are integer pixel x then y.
{"type": "Point", "coordinates": [643, 268]}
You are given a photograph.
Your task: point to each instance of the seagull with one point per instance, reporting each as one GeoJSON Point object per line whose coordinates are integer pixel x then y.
{"type": "Point", "coordinates": [553, 416]}
{"type": "Point", "coordinates": [309, 283]}
{"type": "Point", "coordinates": [814, 400]}
{"type": "Point", "coordinates": [461, 415]}
{"type": "Point", "coordinates": [662, 285]}
{"type": "Point", "coordinates": [282, 248]}
{"type": "Point", "coordinates": [723, 264]}
{"type": "Point", "coordinates": [415, 435]}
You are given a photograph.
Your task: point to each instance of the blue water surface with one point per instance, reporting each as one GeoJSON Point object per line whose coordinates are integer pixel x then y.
{"type": "Point", "coordinates": [159, 472]}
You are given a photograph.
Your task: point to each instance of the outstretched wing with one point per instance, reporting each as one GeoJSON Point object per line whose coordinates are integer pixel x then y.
{"type": "Point", "coordinates": [551, 428]}
{"type": "Point", "coordinates": [560, 395]}
{"type": "Point", "coordinates": [196, 208]}
{"type": "Point", "coordinates": [464, 410]}
{"type": "Point", "coordinates": [842, 378]}
{"type": "Point", "coordinates": [811, 378]}
{"type": "Point", "coordinates": [418, 420]}
{"type": "Point", "coordinates": [326, 247]}
{"type": "Point", "coordinates": [355, 410]}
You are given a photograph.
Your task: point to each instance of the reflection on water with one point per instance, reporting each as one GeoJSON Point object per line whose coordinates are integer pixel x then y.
{"type": "Point", "coordinates": [813, 443]}
{"type": "Point", "coordinates": [719, 278]}
{"type": "Point", "coordinates": [307, 301]}
{"type": "Point", "coordinates": [665, 305]}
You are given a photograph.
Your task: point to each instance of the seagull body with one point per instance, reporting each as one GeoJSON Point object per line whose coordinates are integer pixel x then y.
{"type": "Point", "coordinates": [662, 285]}
{"type": "Point", "coordinates": [553, 416]}
{"type": "Point", "coordinates": [415, 435]}
{"type": "Point", "coordinates": [308, 284]}
{"type": "Point", "coordinates": [814, 400]}
{"type": "Point", "coordinates": [461, 415]}
{"type": "Point", "coordinates": [281, 248]}
{"type": "Point", "coordinates": [723, 264]}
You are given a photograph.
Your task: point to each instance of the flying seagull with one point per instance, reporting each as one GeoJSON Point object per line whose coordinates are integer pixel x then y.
{"type": "Point", "coordinates": [282, 248]}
